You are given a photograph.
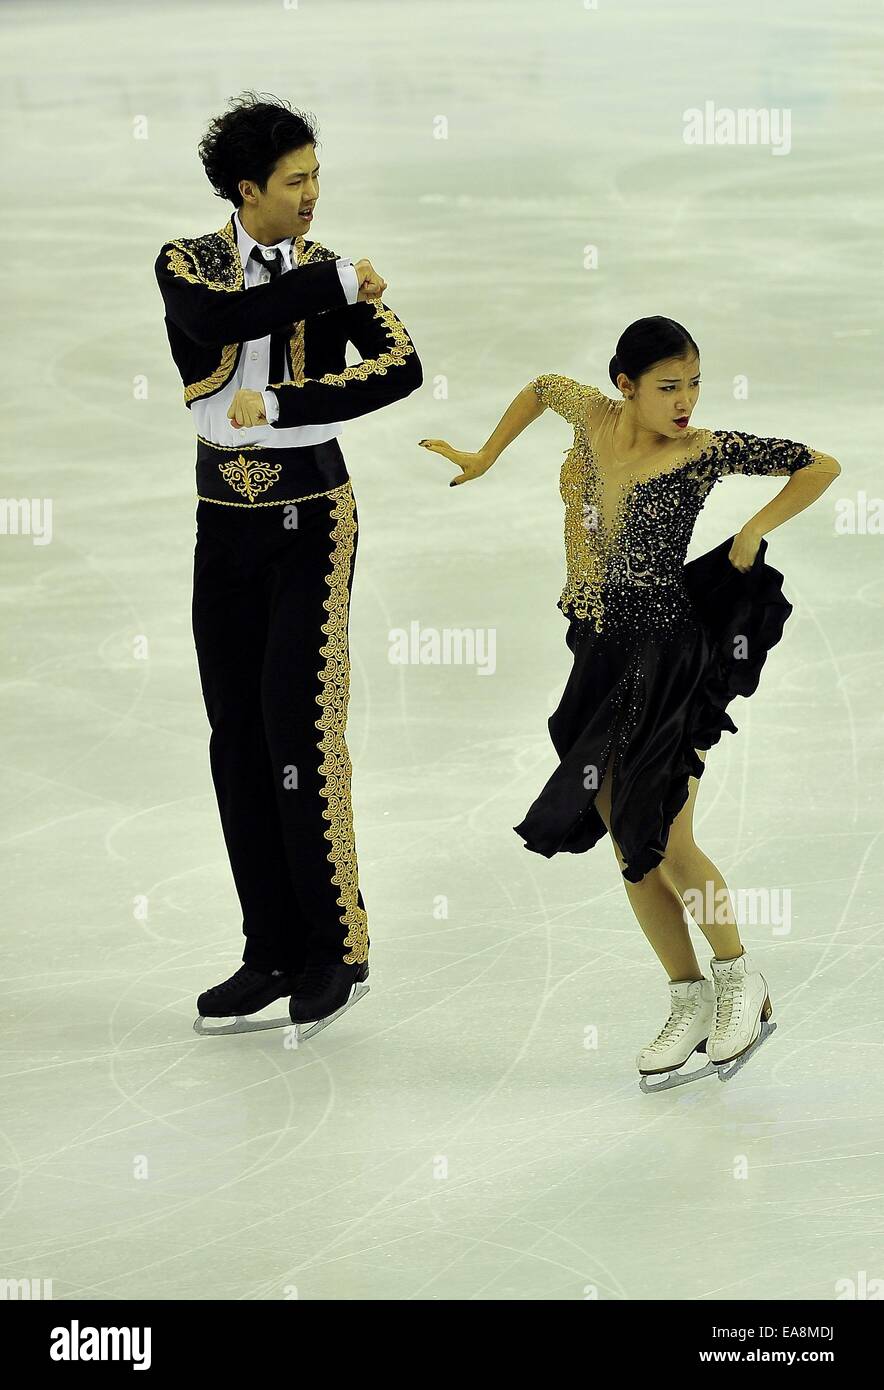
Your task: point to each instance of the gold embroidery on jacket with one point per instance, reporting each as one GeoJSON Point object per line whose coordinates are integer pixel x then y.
{"type": "Point", "coordinates": [218, 377]}
{"type": "Point", "coordinates": [296, 341]}
{"type": "Point", "coordinates": [249, 477]}
{"type": "Point", "coordinates": [203, 260]}
{"type": "Point", "coordinates": [333, 698]}
{"type": "Point", "coordinates": [395, 357]}
{"type": "Point", "coordinates": [400, 342]}
{"type": "Point", "coordinates": [400, 348]}
{"type": "Point", "coordinates": [314, 252]}
{"type": "Point", "coordinates": [296, 354]}
{"type": "Point", "coordinates": [217, 264]}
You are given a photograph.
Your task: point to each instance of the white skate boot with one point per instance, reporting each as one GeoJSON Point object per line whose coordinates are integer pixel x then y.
{"type": "Point", "coordinates": [742, 1010]}
{"type": "Point", "coordinates": [684, 1033]}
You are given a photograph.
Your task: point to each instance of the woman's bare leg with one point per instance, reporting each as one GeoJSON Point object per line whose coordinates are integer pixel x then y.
{"type": "Point", "coordinates": [699, 881]}
{"type": "Point", "coordinates": [658, 906]}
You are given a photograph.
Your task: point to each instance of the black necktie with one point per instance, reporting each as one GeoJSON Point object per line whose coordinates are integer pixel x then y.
{"type": "Point", "coordinates": [274, 265]}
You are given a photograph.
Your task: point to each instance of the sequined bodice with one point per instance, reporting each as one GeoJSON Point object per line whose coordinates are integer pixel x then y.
{"type": "Point", "coordinates": [626, 538]}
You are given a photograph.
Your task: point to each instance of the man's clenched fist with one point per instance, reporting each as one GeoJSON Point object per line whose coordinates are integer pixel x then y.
{"type": "Point", "coordinates": [371, 285]}
{"type": "Point", "coordinates": [246, 409]}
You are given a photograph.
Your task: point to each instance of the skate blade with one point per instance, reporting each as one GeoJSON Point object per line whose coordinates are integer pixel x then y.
{"type": "Point", "coordinates": [309, 1030]}
{"type": "Point", "coordinates": [242, 1023]}
{"type": "Point", "coordinates": [727, 1069]}
{"type": "Point", "coordinates": [675, 1078]}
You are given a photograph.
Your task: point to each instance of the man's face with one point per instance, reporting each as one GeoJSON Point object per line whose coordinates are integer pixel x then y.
{"type": "Point", "coordinates": [292, 191]}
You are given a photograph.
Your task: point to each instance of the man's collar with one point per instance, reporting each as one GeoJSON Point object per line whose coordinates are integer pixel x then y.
{"type": "Point", "coordinates": [246, 243]}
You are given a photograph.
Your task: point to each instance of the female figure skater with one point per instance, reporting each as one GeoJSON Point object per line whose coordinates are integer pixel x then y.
{"type": "Point", "coordinates": [660, 649]}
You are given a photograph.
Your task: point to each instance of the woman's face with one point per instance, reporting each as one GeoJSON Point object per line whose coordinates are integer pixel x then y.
{"type": "Point", "coordinates": [667, 393]}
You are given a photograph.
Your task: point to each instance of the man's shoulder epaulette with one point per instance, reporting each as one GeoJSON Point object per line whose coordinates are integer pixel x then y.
{"type": "Point", "coordinates": [311, 252]}
{"type": "Point", "coordinates": [211, 259]}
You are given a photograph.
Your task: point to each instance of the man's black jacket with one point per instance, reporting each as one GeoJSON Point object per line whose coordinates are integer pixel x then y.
{"type": "Point", "coordinates": [210, 315]}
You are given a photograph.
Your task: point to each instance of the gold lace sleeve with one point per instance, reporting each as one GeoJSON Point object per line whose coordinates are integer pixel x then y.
{"type": "Point", "coordinates": [567, 397]}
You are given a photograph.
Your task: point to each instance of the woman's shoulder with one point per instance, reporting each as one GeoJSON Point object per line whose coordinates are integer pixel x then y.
{"type": "Point", "coordinates": [701, 435]}
{"type": "Point", "coordinates": [573, 400]}
{"type": "Point", "coordinates": [702, 444]}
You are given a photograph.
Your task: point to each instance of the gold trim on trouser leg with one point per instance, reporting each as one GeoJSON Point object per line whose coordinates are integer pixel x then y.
{"type": "Point", "coordinates": [335, 766]}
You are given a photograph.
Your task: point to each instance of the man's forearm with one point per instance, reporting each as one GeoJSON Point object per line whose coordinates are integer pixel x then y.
{"type": "Point", "coordinates": [215, 317]}
{"type": "Point", "coordinates": [526, 407]}
{"type": "Point", "coordinates": [389, 370]}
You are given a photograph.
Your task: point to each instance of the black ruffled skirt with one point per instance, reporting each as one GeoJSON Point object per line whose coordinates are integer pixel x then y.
{"type": "Point", "coordinates": [650, 702]}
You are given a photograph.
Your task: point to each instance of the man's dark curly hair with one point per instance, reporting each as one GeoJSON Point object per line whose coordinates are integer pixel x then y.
{"type": "Point", "coordinates": [247, 141]}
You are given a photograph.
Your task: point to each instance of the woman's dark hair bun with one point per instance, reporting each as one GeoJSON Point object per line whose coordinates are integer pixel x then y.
{"type": "Point", "coordinates": [649, 341]}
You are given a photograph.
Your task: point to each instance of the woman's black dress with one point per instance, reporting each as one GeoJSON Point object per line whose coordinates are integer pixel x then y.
{"type": "Point", "coordinates": [660, 647]}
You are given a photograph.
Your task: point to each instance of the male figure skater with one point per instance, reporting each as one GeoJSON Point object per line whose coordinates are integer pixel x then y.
{"type": "Point", "coordinates": [258, 318]}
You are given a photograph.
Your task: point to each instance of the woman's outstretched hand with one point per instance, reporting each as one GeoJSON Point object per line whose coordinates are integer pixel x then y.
{"type": "Point", "coordinates": [471, 465]}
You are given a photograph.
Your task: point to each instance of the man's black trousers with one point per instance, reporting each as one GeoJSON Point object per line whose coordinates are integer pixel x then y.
{"type": "Point", "coordinates": [271, 600]}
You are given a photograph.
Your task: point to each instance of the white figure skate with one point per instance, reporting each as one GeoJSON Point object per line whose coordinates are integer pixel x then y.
{"type": "Point", "coordinates": [684, 1033]}
{"type": "Point", "coordinates": [742, 1011]}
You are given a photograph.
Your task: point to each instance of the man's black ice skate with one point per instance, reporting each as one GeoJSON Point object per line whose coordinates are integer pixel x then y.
{"type": "Point", "coordinates": [245, 993]}
{"type": "Point", "coordinates": [324, 991]}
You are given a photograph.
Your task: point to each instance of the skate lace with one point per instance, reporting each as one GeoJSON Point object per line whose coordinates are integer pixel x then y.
{"type": "Point", "coordinates": [316, 977]}
{"type": "Point", "coordinates": [676, 1024]}
{"type": "Point", "coordinates": [244, 976]}
{"type": "Point", "coordinates": [725, 1018]}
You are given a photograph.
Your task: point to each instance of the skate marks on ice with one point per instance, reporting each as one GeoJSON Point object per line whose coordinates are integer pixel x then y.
{"type": "Point", "coordinates": [725, 1070]}
{"type": "Point", "coordinates": [252, 1023]}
